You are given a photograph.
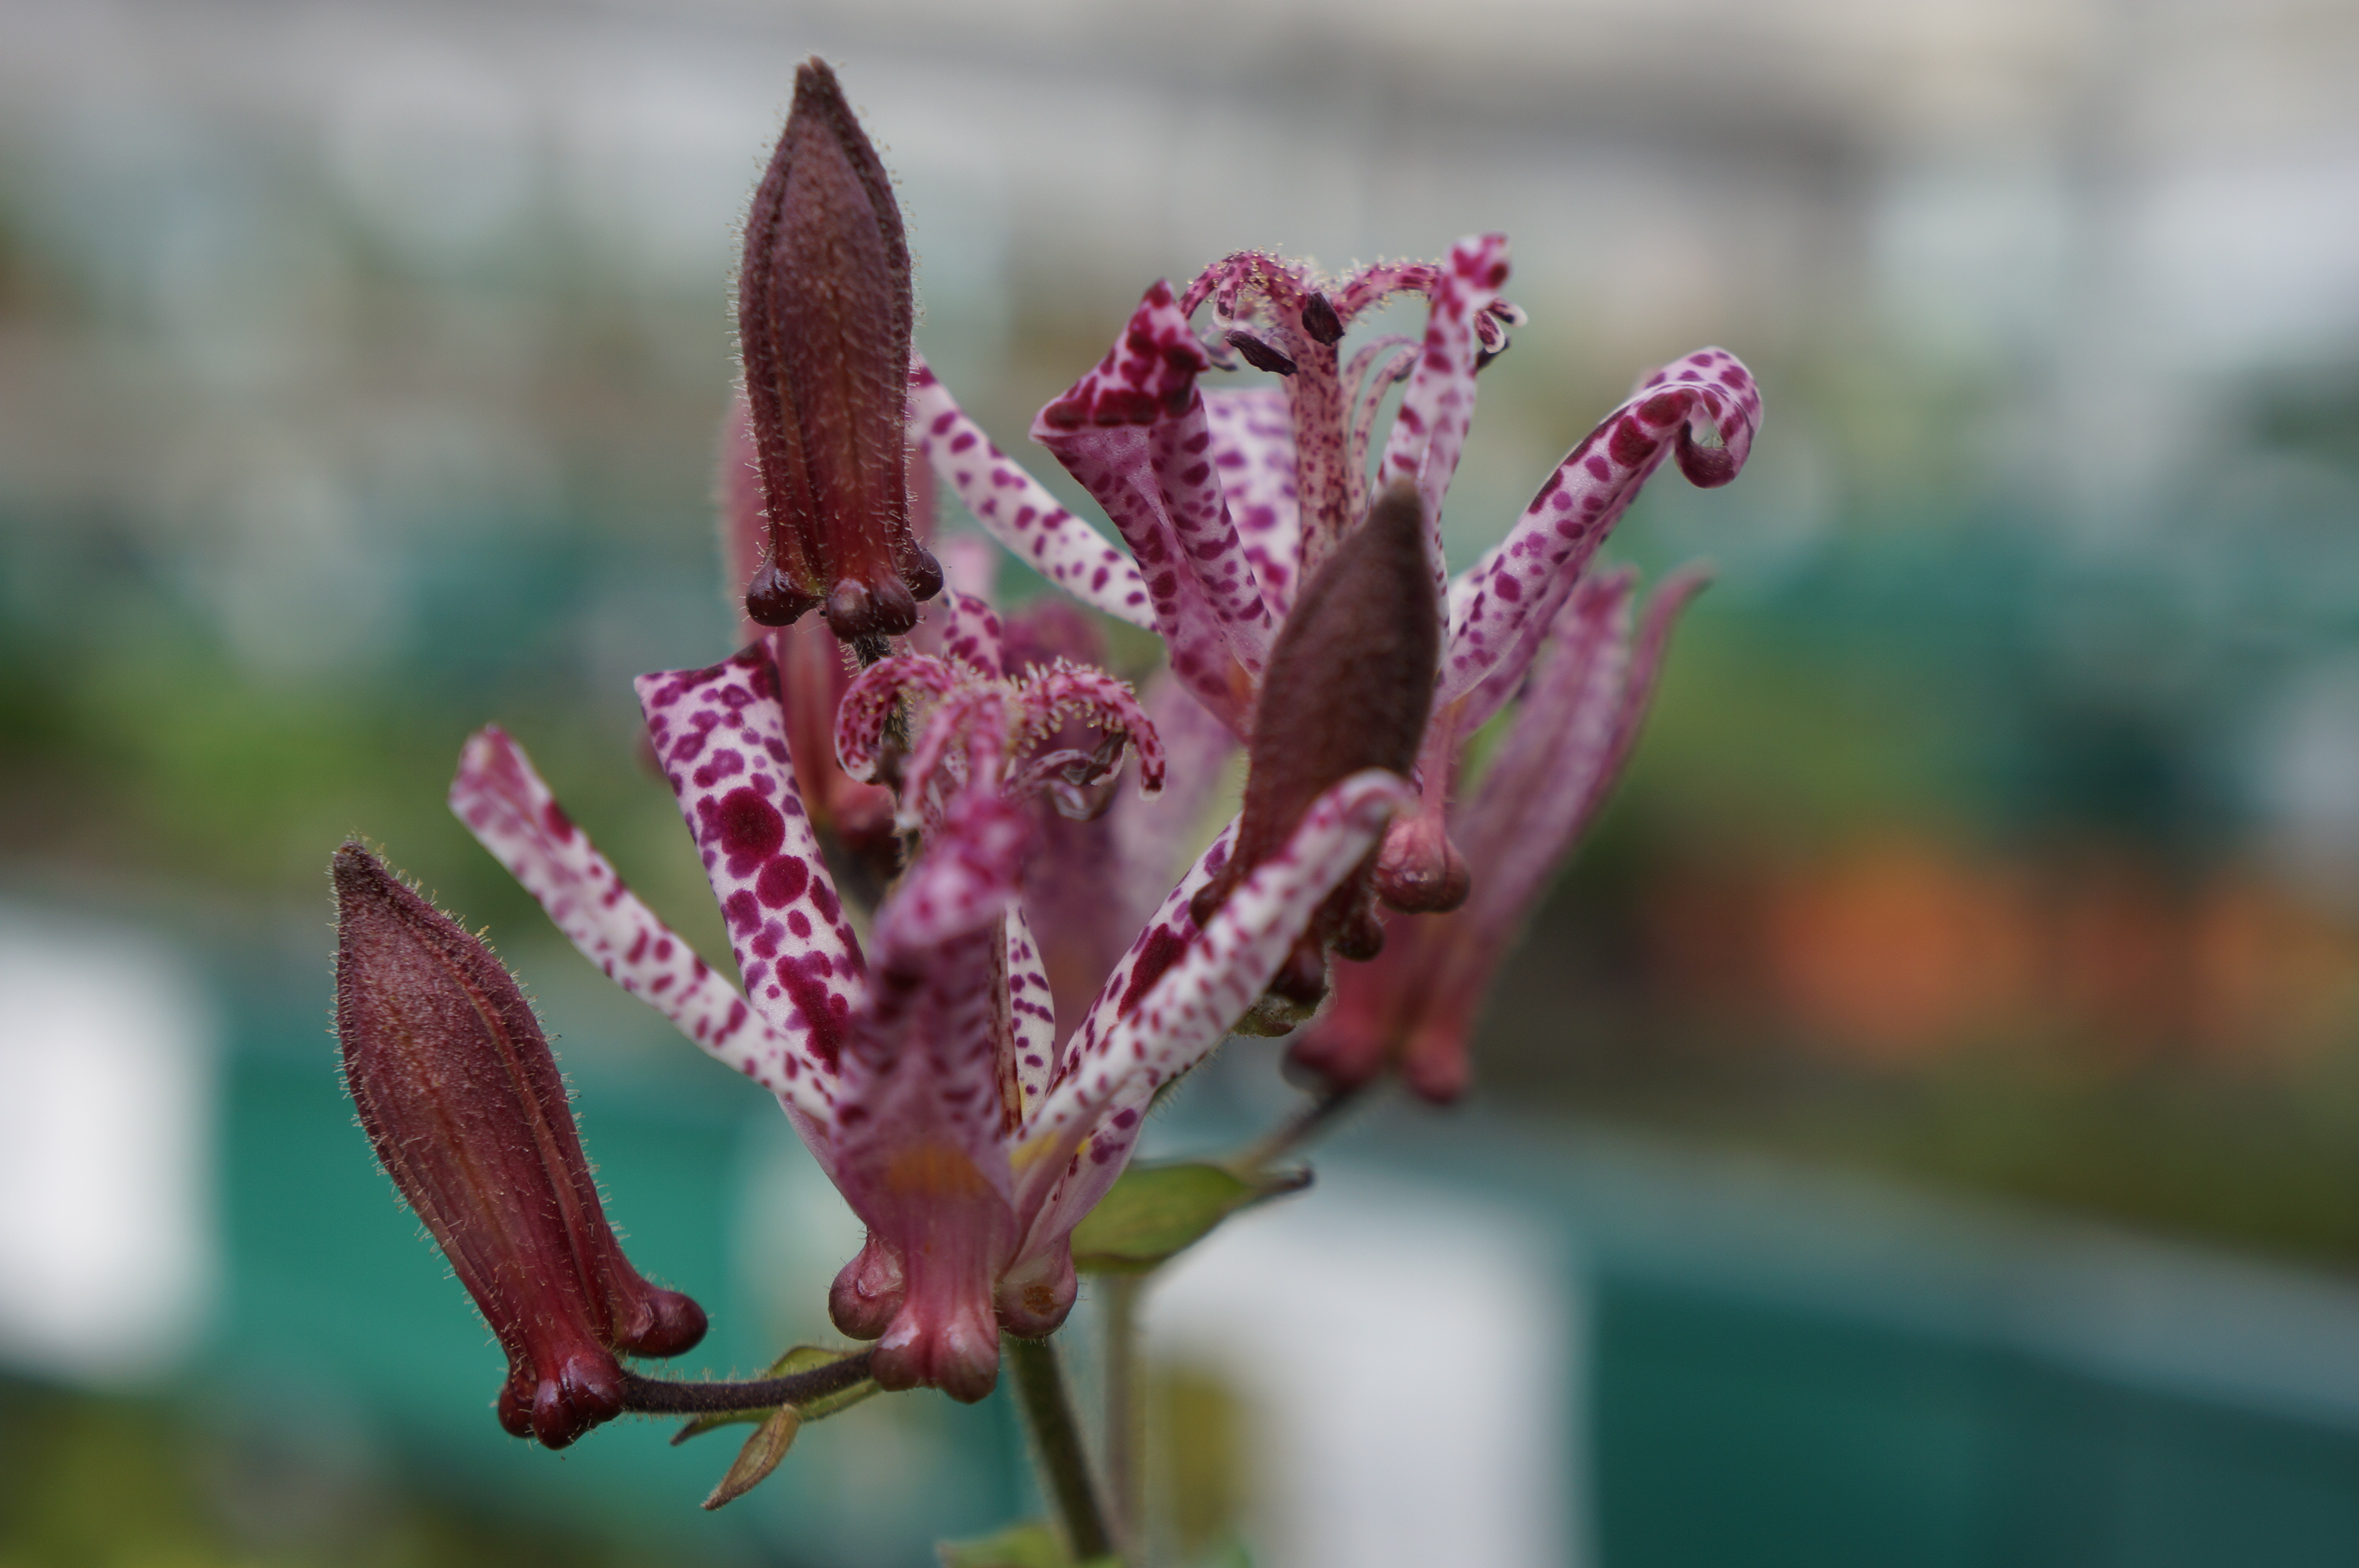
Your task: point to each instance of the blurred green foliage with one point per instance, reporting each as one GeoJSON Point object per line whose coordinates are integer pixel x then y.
{"type": "Point", "coordinates": [89, 1482]}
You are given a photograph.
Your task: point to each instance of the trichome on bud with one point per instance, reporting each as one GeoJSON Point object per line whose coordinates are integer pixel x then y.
{"type": "Point", "coordinates": [463, 1102]}
{"type": "Point", "coordinates": [824, 316]}
{"type": "Point", "coordinates": [1348, 687]}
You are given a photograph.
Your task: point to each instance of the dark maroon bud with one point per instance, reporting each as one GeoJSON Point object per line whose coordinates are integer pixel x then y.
{"type": "Point", "coordinates": [884, 608]}
{"type": "Point", "coordinates": [462, 1100]}
{"type": "Point", "coordinates": [1361, 937]}
{"type": "Point", "coordinates": [922, 573]}
{"type": "Point", "coordinates": [1349, 686]}
{"type": "Point", "coordinates": [1320, 322]}
{"type": "Point", "coordinates": [1260, 353]}
{"type": "Point", "coordinates": [773, 600]}
{"type": "Point", "coordinates": [1294, 992]}
{"type": "Point", "coordinates": [824, 314]}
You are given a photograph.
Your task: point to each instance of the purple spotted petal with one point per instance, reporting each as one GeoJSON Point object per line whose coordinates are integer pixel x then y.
{"type": "Point", "coordinates": [719, 736]}
{"type": "Point", "coordinates": [929, 1094]}
{"type": "Point", "coordinates": [875, 694]}
{"type": "Point", "coordinates": [1253, 451]}
{"type": "Point", "coordinates": [1032, 1013]}
{"type": "Point", "coordinates": [1017, 510]}
{"type": "Point", "coordinates": [969, 631]}
{"type": "Point", "coordinates": [1134, 433]}
{"type": "Point", "coordinates": [1510, 671]}
{"type": "Point", "coordinates": [1163, 1008]}
{"type": "Point", "coordinates": [1542, 776]}
{"type": "Point", "coordinates": [516, 817]}
{"type": "Point", "coordinates": [1438, 405]}
{"type": "Point", "coordinates": [1704, 409]}
{"type": "Point", "coordinates": [1374, 372]}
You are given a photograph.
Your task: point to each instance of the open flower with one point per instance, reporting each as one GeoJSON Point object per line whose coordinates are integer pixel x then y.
{"type": "Point", "coordinates": [926, 1073]}
{"type": "Point", "coordinates": [1231, 500]}
{"type": "Point", "coordinates": [972, 1078]}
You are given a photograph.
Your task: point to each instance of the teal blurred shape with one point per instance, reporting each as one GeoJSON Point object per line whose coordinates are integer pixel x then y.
{"type": "Point", "coordinates": [1731, 1429]}
{"type": "Point", "coordinates": [1793, 1366]}
{"type": "Point", "coordinates": [1781, 1367]}
{"type": "Point", "coordinates": [336, 1299]}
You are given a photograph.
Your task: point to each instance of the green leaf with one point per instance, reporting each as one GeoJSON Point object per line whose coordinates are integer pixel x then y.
{"type": "Point", "coordinates": [1031, 1544]}
{"type": "Point", "coordinates": [802, 1359]}
{"type": "Point", "coordinates": [758, 1457]}
{"type": "Point", "coordinates": [1157, 1211]}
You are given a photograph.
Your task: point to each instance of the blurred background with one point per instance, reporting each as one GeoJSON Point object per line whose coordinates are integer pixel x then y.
{"type": "Point", "coordinates": [1924, 1124]}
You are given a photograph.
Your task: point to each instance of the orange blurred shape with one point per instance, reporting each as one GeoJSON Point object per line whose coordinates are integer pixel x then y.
{"type": "Point", "coordinates": [1899, 949]}
{"type": "Point", "coordinates": [1895, 948]}
{"type": "Point", "coordinates": [2275, 978]}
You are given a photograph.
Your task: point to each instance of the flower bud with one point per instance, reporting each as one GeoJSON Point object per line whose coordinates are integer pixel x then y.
{"type": "Point", "coordinates": [1349, 686]}
{"type": "Point", "coordinates": [824, 315]}
{"type": "Point", "coordinates": [463, 1102]}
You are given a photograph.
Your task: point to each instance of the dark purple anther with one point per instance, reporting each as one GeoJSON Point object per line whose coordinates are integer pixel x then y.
{"type": "Point", "coordinates": [460, 1097]}
{"type": "Point", "coordinates": [1320, 322]}
{"type": "Point", "coordinates": [1349, 686]}
{"type": "Point", "coordinates": [1260, 353]}
{"type": "Point", "coordinates": [823, 319]}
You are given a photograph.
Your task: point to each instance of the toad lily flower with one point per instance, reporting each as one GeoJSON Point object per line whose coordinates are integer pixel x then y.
{"type": "Point", "coordinates": [1231, 500]}
{"type": "Point", "coordinates": [971, 1111]}
{"type": "Point", "coordinates": [925, 1074]}
{"type": "Point", "coordinates": [1413, 1008]}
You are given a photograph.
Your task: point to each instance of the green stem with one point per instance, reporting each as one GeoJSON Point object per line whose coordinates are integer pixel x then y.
{"type": "Point", "coordinates": [657, 1396]}
{"type": "Point", "coordinates": [1057, 1443]}
{"type": "Point", "coordinates": [1126, 1427]}
{"type": "Point", "coordinates": [1287, 1137]}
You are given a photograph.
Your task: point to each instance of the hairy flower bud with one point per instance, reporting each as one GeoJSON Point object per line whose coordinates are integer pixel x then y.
{"type": "Point", "coordinates": [1348, 687]}
{"type": "Point", "coordinates": [462, 1099]}
{"type": "Point", "coordinates": [824, 315]}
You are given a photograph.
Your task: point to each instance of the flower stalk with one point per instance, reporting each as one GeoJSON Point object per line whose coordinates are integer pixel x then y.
{"type": "Point", "coordinates": [1057, 1445]}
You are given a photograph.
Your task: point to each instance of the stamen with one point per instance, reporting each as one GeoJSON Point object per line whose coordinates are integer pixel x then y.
{"type": "Point", "coordinates": [1320, 321]}
{"type": "Point", "coordinates": [1260, 353]}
